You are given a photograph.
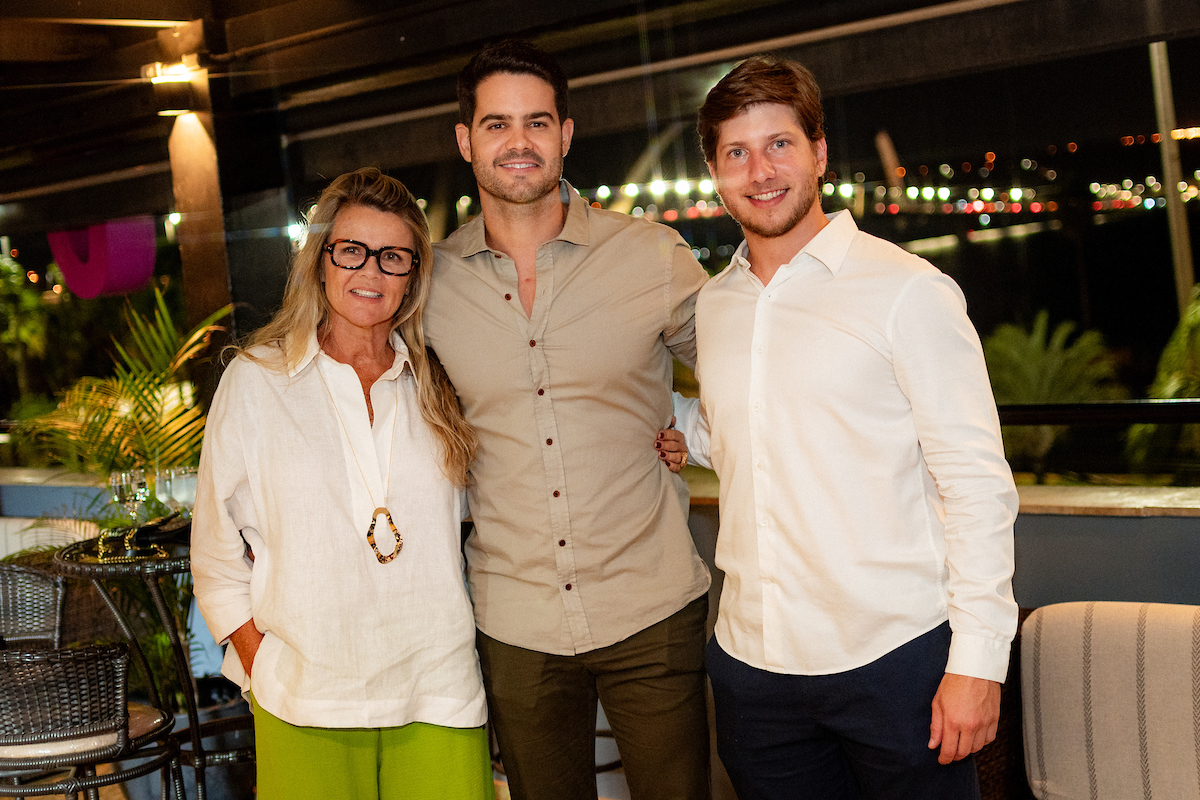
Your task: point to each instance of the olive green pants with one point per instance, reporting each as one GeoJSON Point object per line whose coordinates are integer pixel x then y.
{"type": "Point", "coordinates": [651, 685]}
{"type": "Point", "coordinates": [417, 761]}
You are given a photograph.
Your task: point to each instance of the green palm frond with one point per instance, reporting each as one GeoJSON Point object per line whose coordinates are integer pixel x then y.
{"type": "Point", "coordinates": [146, 415]}
{"type": "Point", "coordinates": [1178, 375]}
{"type": "Point", "coordinates": [1038, 366]}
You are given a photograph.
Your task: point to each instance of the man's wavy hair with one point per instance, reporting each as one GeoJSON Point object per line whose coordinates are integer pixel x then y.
{"type": "Point", "coordinates": [515, 57]}
{"type": "Point", "coordinates": [761, 79]}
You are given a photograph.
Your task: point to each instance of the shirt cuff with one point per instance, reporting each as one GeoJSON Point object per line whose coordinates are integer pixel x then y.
{"type": "Point", "coordinates": [687, 422]}
{"type": "Point", "coordinates": [978, 657]}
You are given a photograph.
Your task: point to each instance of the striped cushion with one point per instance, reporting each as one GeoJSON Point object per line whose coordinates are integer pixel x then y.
{"type": "Point", "coordinates": [1111, 701]}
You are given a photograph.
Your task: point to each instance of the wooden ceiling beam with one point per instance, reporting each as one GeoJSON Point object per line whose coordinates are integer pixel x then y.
{"type": "Point", "coordinates": [135, 13]}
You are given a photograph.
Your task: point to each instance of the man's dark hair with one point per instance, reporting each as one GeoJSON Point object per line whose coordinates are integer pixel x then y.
{"type": "Point", "coordinates": [761, 79]}
{"type": "Point", "coordinates": [516, 57]}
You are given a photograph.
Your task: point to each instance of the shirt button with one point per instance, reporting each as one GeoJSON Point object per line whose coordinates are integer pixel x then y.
{"type": "Point", "coordinates": [763, 523]}
{"type": "Point", "coordinates": [562, 542]}
{"type": "Point", "coordinates": [549, 441]}
{"type": "Point", "coordinates": [568, 587]}
{"type": "Point", "coordinates": [508, 297]}
{"type": "Point", "coordinates": [760, 465]}
{"type": "Point", "coordinates": [556, 492]}
{"type": "Point", "coordinates": [533, 343]}
{"type": "Point", "coordinates": [541, 392]}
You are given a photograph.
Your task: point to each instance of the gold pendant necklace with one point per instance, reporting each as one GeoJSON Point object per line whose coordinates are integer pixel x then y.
{"type": "Point", "coordinates": [387, 485]}
{"type": "Point", "coordinates": [371, 535]}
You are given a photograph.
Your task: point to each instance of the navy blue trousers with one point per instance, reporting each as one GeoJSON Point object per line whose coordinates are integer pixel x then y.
{"type": "Point", "coordinates": [856, 735]}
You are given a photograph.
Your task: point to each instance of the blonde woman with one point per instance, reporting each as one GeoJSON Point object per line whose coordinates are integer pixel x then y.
{"type": "Point", "coordinates": [326, 543]}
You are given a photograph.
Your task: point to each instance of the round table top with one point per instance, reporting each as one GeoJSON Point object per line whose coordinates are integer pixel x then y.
{"type": "Point", "coordinates": [84, 560]}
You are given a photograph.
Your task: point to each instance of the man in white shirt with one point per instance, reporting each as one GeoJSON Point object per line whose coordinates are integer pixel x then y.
{"type": "Point", "coordinates": [866, 506]}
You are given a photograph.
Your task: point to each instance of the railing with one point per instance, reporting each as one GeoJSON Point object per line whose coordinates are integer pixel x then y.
{"type": "Point", "coordinates": [1128, 412]}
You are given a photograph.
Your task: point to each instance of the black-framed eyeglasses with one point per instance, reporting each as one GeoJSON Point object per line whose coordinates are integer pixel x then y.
{"type": "Point", "coordinates": [394, 261]}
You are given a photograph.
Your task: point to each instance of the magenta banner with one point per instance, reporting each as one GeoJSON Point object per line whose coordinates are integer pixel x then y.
{"type": "Point", "coordinates": [114, 257]}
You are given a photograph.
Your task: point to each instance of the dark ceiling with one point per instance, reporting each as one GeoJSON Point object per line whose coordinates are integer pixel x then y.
{"type": "Point", "coordinates": [305, 90]}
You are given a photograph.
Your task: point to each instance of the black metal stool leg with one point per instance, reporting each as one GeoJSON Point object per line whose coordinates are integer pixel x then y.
{"type": "Point", "coordinates": [135, 649]}
{"type": "Point", "coordinates": [187, 681]}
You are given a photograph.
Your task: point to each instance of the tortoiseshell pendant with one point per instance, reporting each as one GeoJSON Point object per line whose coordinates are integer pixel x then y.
{"type": "Point", "coordinates": [371, 535]}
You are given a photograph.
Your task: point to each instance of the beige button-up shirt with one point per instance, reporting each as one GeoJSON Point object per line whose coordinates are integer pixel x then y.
{"type": "Point", "coordinates": [581, 536]}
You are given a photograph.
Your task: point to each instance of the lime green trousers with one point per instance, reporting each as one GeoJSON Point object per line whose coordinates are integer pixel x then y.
{"type": "Point", "coordinates": [417, 761]}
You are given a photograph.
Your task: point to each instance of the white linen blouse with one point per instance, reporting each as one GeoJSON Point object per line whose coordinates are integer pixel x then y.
{"type": "Point", "coordinates": [292, 467]}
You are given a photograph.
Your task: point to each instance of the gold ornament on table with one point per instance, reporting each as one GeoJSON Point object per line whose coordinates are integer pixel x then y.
{"type": "Point", "coordinates": [120, 546]}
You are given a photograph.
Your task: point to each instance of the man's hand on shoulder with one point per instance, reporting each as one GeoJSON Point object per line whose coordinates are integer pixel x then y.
{"type": "Point", "coordinates": [966, 712]}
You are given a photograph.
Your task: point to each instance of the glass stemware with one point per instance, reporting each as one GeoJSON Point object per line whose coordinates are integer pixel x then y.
{"type": "Point", "coordinates": [162, 488]}
{"type": "Point", "coordinates": [129, 489]}
{"type": "Point", "coordinates": [183, 488]}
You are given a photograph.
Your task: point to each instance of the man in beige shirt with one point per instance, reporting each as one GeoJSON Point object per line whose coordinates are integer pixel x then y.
{"type": "Point", "coordinates": [556, 321]}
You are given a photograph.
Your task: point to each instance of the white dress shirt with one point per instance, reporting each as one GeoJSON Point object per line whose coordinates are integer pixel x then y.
{"type": "Point", "coordinates": [292, 466]}
{"type": "Point", "coordinates": [864, 496]}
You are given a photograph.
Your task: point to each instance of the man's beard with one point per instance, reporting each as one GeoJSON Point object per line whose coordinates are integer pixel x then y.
{"type": "Point", "coordinates": [772, 231]}
{"type": "Point", "coordinates": [489, 178]}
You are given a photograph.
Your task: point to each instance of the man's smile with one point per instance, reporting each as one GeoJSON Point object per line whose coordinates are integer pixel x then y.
{"type": "Point", "coordinates": [767, 196]}
{"type": "Point", "coordinates": [519, 161]}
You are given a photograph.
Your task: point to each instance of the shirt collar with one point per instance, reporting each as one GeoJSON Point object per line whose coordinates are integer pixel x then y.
{"type": "Point", "coordinates": [575, 229]}
{"type": "Point", "coordinates": [398, 363]}
{"type": "Point", "coordinates": [829, 246]}
{"type": "Point", "coordinates": [472, 237]}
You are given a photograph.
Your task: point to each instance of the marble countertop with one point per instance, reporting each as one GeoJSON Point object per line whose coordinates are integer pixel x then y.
{"type": "Point", "coordinates": [1111, 501]}
{"type": "Point", "coordinates": [23, 476]}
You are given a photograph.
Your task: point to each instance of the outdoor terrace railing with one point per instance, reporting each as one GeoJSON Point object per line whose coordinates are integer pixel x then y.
{"type": "Point", "coordinates": [1128, 412]}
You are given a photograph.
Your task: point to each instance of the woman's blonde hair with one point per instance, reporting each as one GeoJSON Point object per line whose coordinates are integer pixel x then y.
{"type": "Point", "coordinates": [306, 307]}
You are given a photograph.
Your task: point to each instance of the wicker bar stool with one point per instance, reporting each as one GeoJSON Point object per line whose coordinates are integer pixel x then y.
{"type": "Point", "coordinates": [63, 712]}
{"type": "Point", "coordinates": [31, 606]}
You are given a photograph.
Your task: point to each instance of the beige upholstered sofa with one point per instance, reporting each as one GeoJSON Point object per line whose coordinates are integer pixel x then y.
{"type": "Point", "coordinates": [1110, 696]}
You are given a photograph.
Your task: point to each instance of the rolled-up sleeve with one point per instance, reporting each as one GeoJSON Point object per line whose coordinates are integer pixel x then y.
{"type": "Point", "coordinates": [940, 368]}
{"type": "Point", "coordinates": [691, 422]}
{"type": "Point", "coordinates": [685, 276]}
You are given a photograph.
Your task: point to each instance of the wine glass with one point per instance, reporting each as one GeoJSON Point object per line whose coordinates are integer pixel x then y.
{"type": "Point", "coordinates": [120, 489]}
{"type": "Point", "coordinates": [183, 487]}
{"type": "Point", "coordinates": [128, 488]}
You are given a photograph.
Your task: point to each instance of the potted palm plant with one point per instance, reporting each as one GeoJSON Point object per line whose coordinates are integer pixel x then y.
{"type": "Point", "coordinates": [145, 415]}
